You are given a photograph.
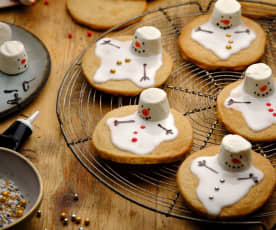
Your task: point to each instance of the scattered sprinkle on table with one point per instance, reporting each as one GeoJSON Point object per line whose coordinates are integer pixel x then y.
{"type": "Point", "coordinates": [70, 35]}
{"type": "Point", "coordinates": [89, 33]}
{"type": "Point", "coordinates": [46, 2]}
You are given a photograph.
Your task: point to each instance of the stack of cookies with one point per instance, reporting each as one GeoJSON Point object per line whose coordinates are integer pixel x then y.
{"type": "Point", "coordinates": [224, 181]}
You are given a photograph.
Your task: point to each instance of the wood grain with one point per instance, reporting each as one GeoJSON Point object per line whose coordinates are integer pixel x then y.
{"type": "Point", "coordinates": [62, 174]}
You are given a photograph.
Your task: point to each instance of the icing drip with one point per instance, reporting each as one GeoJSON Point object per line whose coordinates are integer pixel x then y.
{"type": "Point", "coordinates": [259, 114]}
{"type": "Point", "coordinates": [118, 62]}
{"type": "Point", "coordinates": [134, 134]}
{"type": "Point", "coordinates": [219, 188]}
{"type": "Point", "coordinates": [222, 42]}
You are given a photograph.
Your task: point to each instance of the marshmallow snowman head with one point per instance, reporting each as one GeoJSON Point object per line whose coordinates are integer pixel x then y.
{"type": "Point", "coordinates": [146, 41]}
{"type": "Point", "coordinates": [226, 14]}
{"type": "Point", "coordinates": [258, 81]}
{"type": "Point", "coordinates": [153, 105]}
{"type": "Point", "coordinates": [235, 153]}
{"type": "Point", "coordinates": [5, 33]}
{"type": "Point", "coordinates": [13, 57]}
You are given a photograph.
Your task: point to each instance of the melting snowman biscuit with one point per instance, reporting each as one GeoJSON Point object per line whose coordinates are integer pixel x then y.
{"type": "Point", "coordinates": [13, 57]}
{"type": "Point", "coordinates": [248, 107]}
{"type": "Point", "coordinates": [223, 39]}
{"type": "Point", "coordinates": [222, 181]}
{"type": "Point", "coordinates": [27, 2]}
{"type": "Point", "coordinates": [126, 65]}
{"type": "Point", "coordinates": [144, 134]}
{"type": "Point", "coordinates": [5, 33]}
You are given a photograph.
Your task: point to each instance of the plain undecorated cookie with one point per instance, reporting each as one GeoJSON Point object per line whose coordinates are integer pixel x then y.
{"type": "Point", "coordinates": [166, 152]}
{"type": "Point", "coordinates": [104, 14]}
{"type": "Point", "coordinates": [206, 59]}
{"type": "Point", "coordinates": [254, 199]}
{"type": "Point", "coordinates": [90, 64]}
{"type": "Point", "coordinates": [234, 121]}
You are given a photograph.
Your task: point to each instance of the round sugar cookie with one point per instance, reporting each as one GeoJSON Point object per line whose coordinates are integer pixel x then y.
{"type": "Point", "coordinates": [167, 151]}
{"type": "Point", "coordinates": [104, 14]}
{"type": "Point", "coordinates": [234, 122]}
{"type": "Point", "coordinates": [91, 63]}
{"type": "Point", "coordinates": [192, 51]}
{"type": "Point", "coordinates": [258, 194]}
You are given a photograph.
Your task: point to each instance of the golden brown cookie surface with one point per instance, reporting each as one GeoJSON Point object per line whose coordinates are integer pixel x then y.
{"type": "Point", "coordinates": [90, 64]}
{"type": "Point", "coordinates": [104, 14]}
{"type": "Point", "coordinates": [167, 151]}
{"type": "Point", "coordinates": [254, 199]}
{"type": "Point", "coordinates": [206, 59]}
{"type": "Point", "coordinates": [234, 121]}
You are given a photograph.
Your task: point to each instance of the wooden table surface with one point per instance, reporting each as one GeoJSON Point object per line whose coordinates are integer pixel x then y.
{"type": "Point", "coordinates": [61, 172]}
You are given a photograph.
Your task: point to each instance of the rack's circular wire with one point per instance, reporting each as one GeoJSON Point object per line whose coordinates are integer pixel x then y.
{"type": "Point", "coordinates": [191, 90]}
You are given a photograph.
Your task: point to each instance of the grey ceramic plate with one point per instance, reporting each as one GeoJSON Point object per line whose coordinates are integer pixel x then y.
{"type": "Point", "coordinates": [20, 170]}
{"type": "Point", "coordinates": [17, 91]}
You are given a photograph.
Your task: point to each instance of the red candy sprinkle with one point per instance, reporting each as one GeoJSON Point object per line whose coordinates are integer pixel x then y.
{"type": "Point", "coordinates": [70, 35]}
{"type": "Point", "coordinates": [89, 33]}
{"type": "Point", "coordinates": [46, 2]}
{"type": "Point", "coordinates": [142, 127]}
{"type": "Point", "coordinates": [135, 132]}
{"type": "Point", "coordinates": [268, 104]}
{"type": "Point", "coordinates": [274, 114]}
{"type": "Point", "coordinates": [134, 139]}
{"type": "Point", "coordinates": [270, 110]}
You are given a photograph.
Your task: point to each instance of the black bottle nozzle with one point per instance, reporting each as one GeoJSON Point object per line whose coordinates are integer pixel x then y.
{"type": "Point", "coordinates": [17, 133]}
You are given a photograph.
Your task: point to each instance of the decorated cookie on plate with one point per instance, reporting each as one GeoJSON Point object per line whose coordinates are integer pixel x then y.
{"type": "Point", "coordinates": [222, 40]}
{"type": "Point", "coordinates": [248, 107]}
{"type": "Point", "coordinates": [149, 133]}
{"type": "Point", "coordinates": [127, 65]}
{"type": "Point", "coordinates": [13, 56]}
{"type": "Point", "coordinates": [226, 181]}
{"type": "Point", "coordinates": [104, 14]}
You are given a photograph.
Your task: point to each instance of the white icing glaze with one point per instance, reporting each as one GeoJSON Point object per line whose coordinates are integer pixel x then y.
{"type": "Point", "coordinates": [146, 41]}
{"type": "Point", "coordinates": [217, 41]}
{"type": "Point", "coordinates": [259, 114]}
{"type": "Point", "coordinates": [13, 57]}
{"type": "Point", "coordinates": [5, 33]}
{"type": "Point", "coordinates": [221, 189]}
{"type": "Point", "coordinates": [235, 153]}
{"type": "Point", "coordinates": [140, 70]}
{"type": "Point", "coordinates": [140, 137]}
{"type": "Point", "coordinates": [153, 105]}
{"type": "Point", "coordinates": [226, 14]}
{"type": "Point", "coordinates": [258, 80]}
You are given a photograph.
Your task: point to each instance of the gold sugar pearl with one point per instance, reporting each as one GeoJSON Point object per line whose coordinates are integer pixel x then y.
{"type": "Point", "coordinates": [19, 213]}
{"type": "Point", "coordinates": [63, 215]}
{"type": "Point", "coordinates": [228, 35]}
{"type": "Point", "coordinates": [119, 63]}
{"type": "Point", "coordinates": [230, 41]}
{"type": "Point", "coordinates": [78, 219]}
{"type": "Point", "coordinates": [23, 202]}
{"type": "Point", "coordinates": [3, 199]}
{"type": "Point", "coordinates": [86, 221]}
{"type": "Point", "coordinates": [112, 71]}
{"type": "Point", "coordinates": [5, 193]}
{"type": "Point", "coordinates": [228, 47]}
{"type": "Point", "coordinates": [127, 60]}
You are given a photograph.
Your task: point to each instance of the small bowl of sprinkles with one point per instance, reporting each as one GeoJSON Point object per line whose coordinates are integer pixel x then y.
{"type": "Point", "coordinates": [20, 188]}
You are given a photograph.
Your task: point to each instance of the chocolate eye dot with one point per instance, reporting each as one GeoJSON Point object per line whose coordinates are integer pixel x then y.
{"type": "Point", "coordinates": [257, 85]}
{"type": "Point", "coordinates": [230, 17]}
{"type": "Point", "coordinates": [268, 83]}
{"type": "Point", "coordinates": [18, 59]}
{"type": "Point", "coordinates": [222, 16]}
{"type": "Point", "coordinates": [135, 37]}
{"type": "Point", "coordinates": [240, 156]}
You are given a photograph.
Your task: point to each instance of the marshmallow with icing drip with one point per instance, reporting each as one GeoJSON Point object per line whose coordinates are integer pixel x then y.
{"type": "Point", "coordinates": [258, 81]}
{"type": "Point", "coordinates": [13, 57]}
{"type": "Point", "coordinates": [5, 32]}
{"type": "Point", "coordinates": [153, 105]}
{"type": "Point", "coordinates": [235, 153]}
{"type": "Point", "coordinates": [146, 41]}
{"type": "Point", "coordinates": [226, 14]}
{"type": "Point", "coordinates": [27, 2]}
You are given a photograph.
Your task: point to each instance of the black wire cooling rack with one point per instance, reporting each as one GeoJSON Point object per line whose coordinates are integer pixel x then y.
{"type": "Point", "coordinates": [191, 90]}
